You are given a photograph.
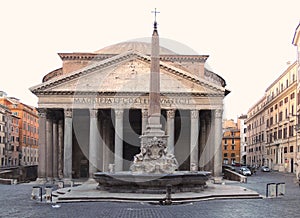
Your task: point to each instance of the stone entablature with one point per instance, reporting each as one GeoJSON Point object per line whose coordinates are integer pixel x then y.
{"type": "Point", "coordinates": [129, 101]}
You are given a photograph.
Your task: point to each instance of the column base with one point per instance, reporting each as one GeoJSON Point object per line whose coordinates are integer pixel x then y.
{"type": "Point", "coordinates": [91, 180]}
{"type": "Point", "coordinates": [68, 181]}
{"type": "Point", "coordinates": [41, 180]}
{"type": "Point", "coordinates": [218, 180]}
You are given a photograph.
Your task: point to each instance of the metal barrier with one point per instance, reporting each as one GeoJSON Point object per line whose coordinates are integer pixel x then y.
{"type": "Point", "coordinates": [280, 189]}
{"type": "Point", "coordinates": [36, 193]}
{"type": "Point", "coordinates": [48, 194]}
{"type": "Point", "coordinates": [271, 190]}
{"type": "Point", "coordinates": [275, 189]}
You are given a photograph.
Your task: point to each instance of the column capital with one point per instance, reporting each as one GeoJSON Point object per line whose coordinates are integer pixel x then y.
{"type": "Point", "coordinates": [119, 113]}
{"type": "Point", "coordinates": [50, 115]}
{"type": "Point", "coordinates": [218, 113]}
{"type": "Point", "coordinates": [194, 114]}
{"type": "Point", "coordinates": [171, 114]}
{"type": "Point", "coordinates": [68, 112]}
{"type": "Point", "coordinates": [144, 113]}
{"type": "Point", "coordinates": [42, 112]}
{"type": "Point", "coordinates": [93, 113]}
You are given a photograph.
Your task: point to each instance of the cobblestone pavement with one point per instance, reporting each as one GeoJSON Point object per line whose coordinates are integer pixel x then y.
{"type": "Point", "coordinates": [15, 202]}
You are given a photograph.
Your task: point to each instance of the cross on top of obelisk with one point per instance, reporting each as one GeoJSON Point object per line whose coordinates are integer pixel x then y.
{"type": "Point", "coordinates": [155, 12]}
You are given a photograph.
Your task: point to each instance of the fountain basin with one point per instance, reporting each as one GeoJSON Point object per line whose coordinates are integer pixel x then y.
{"type": "Point", "coordinates": [128, 182]}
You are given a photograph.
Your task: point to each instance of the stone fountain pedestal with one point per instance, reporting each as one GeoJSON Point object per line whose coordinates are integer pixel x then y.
{"type": "Point", "coordinates": [128, 182]}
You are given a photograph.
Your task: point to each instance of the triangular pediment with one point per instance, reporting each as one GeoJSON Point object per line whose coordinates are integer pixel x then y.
{"type": "Point", "coordinates": [128, 72]}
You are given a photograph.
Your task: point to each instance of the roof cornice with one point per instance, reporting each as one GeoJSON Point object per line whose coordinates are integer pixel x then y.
{"type": "Point", "coordinates": [95, 56]}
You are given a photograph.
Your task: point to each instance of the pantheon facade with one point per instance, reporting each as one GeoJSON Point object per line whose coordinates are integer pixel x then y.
{"type": "Point", "coordinates": [93, 110]}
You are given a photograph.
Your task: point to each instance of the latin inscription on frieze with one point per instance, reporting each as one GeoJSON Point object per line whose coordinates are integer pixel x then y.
{"type": "Point", "coordinates": [142, 101]}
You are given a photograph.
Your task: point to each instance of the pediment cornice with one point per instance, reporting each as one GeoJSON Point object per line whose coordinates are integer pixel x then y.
{"type": "Point", "coordinates": [116, 59]}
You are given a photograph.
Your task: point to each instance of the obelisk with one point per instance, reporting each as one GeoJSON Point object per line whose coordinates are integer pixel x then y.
{"type": "Point", "coordinates": [153, 157]}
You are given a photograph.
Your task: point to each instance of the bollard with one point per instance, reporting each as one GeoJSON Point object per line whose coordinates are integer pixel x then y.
{"type": "Point", "coordinates": [48, 194]}
{"type": "Point", "coordinates": [111, 168]}
{"type": "Point", "coordinates": [168, 200]}
{"type": "Point", "coordinates": [36, 193]}
{"type": "Point", "coordinates": [280, 189]}
{"type": "Point", "coordinates": [271, 190]}
{"type": "Point", "coordinates": [60, 184]}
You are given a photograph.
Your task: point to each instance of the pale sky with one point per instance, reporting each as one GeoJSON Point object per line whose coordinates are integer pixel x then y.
{"type": "Point", "coordinates": [249, 42]}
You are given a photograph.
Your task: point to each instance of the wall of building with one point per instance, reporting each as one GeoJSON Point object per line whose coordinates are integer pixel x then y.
{"type": "Point", "coordinates": [271, 125]}
{"type": "Point", "coordinates": [21, 133]}
{"type": "Point", "coordinates": [230, 143]}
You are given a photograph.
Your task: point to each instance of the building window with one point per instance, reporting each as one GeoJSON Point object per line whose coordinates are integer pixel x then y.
{"type": "Point", "coordinates": [285, 150]}
{"type": "Point", "coordinates": [285, 132]}
{"type": "Point", "coordinates": [280, 116]}
{"type": "Point", "coordinates": [232, 141]}
{"type": "Point", "coordinates": [291, 130]}
{"type": "Point", "coordinates": [275, 136]}
{"type": "Point", "coordinates": [280, 133]}
{"type": "Point", "coordinates": [292, 95]}
{"type": "Point", "coordinates": [225, 141]}
{"type": "Point", "coordinates": [280, 103]}
{"type": "Point", "coordinates": [232, 147]}
{"type": "Point", "coordinates": [291, 149]}
{"type": "Point", "coordinates": [225, 155]}
{"type": "Point", "coordinates": [225, 147]}
{"type": "Point", "coordinates": [271, 121]}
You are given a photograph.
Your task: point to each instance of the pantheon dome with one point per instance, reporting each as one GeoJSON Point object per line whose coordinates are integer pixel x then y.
{"type": "Point", "coordinates": [142, 47]}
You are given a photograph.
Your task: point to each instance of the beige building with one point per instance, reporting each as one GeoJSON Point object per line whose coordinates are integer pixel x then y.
{"type": "Point", "coordinates": [296, 42]}
{"type": "Point", "coordinates": [242, 126]}
{"type": "Point", "coordinates": [271, 125]}
{"type": "Point", "coordinates": [281, 109]}
{"type": "Point", "coordinates": [256, 135]}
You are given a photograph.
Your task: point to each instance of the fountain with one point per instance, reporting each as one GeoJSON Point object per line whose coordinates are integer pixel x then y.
{"type": "Point", "coordinates": [153, 169]}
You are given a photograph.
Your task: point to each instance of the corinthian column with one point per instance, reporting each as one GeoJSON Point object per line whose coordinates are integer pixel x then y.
{"type": "Point", "coordinates": [119, 139]}
{"type": "Point", "coordinates": [194, 140]}
{"type": "Point", "coordinates": [170, 131]}
{"type": "Point", "coordinates": [203, 149]}
{"type": "Point", "coordinates": [42, 145]}
{"type": "Point", "coordinates": [49, 142]}
{"type": "Point", "coordinates": [55, 149]}
{"type": "Point", "coordinates": [60, 148]}
{"type": "Point", "coordinates": [68, 145]}
{"type": "Point", "coordinates": [94, 142]}
{"type": "Point", "coordinates": [218, 144]}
